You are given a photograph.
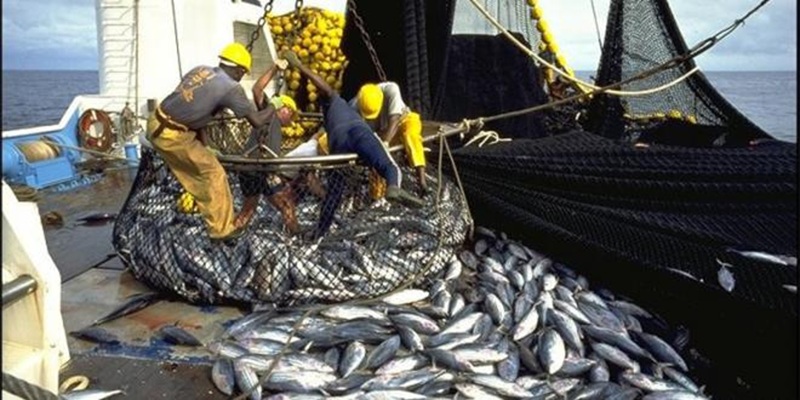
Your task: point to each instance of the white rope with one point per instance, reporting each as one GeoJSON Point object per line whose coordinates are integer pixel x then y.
{"type": "Point", "coordinates": [566, 75]}
{"type": "Point", "coordinates": [486, 136]}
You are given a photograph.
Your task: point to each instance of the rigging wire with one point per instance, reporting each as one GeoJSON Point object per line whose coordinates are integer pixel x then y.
{"type": "Point", "coordinates": [177, 45]}
{"type": "Point", "coordinates": [672, 63]}
{"type": "Point", "coordinates": [597, 27]}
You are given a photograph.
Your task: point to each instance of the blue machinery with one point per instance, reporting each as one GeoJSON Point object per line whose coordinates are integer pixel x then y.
{"type": "Point", "coordinates": [33, 161]}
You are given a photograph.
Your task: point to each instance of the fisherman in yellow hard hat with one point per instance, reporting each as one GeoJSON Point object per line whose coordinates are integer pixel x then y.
{"type": "Point", "coordinates": [347, 132]}
{"type": "Point", "coordinates": [172, 129]}
{"type": "Point", "coordinates": [383, 108]}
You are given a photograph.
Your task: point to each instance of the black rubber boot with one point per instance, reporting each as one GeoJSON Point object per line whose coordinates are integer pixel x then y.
{"type": "Point", "coordinates": [396, 194]}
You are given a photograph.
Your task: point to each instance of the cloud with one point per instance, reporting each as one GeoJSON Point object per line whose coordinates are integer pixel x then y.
{"type": "Point", "coordinates": [61, 34]}
{"type": "Point", "coordinates": [49, 34]}
{"type": "Point", "coordinates": [768, 40]}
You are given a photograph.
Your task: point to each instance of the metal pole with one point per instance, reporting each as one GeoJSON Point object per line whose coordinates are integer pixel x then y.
{"type": "Point", "coordinates": [17, 289]}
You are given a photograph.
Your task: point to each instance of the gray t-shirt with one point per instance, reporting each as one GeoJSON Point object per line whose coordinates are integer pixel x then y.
{"type": "Point", "coordinates": [392, 104]}
{"type": "Point", "coordinates": [203, 92]}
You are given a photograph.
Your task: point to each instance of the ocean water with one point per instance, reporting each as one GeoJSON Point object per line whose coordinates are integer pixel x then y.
{"type": "Point", "coordinates": [35, 98]}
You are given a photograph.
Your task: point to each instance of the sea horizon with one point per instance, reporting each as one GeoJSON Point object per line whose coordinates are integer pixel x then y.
{"type": "Point", "coordinates": [767, 98]}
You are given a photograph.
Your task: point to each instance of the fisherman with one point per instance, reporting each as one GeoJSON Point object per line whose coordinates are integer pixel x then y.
{"type": "Point", "coordinates": [383, 108]}
{"type": "Point", "coordinates": [278, 193]}
{"type": "Point", "coordinates": [348, 133]}
{"type": "Point", "coordinates": [172, 129]}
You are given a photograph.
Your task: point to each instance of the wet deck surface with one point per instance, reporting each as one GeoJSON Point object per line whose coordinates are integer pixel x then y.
{"type": "Point", "coordinates": [95, 283]}
{"type": "Point", "coordinates": [143, 364]}
{"type": "Point", "coordinates": [144, 379]}
{"type": "Point", "coordinates": [76, 247]}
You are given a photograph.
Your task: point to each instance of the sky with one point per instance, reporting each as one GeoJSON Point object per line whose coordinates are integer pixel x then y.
{"type": "Point", "coordinates": [62, 34]}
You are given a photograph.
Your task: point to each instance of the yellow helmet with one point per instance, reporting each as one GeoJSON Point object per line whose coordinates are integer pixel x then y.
{"type": "Point", "coordinates": [287, 101]}
{"type": "Point", "coordinates": [237, 54]}
{"type": "Point", "coordinates": [370, 100]}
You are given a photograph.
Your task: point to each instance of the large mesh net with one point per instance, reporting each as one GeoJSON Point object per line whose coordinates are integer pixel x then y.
{"type": "Point", "coordinates": [318, 233]}
{"type": "Point", "coordinates": [651, 222]}
{"type": "Point", "coordinates": [643, 34]}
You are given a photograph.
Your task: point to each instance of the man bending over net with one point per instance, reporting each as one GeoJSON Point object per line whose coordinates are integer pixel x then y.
{"type": "Point", "coordinates": [348, 133]}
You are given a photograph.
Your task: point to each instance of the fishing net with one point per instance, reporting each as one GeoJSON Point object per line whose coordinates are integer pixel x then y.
{"type": "Point", "coordinates": [641, 35]}
{"type": "Point", "coordinates": [655, 223]}
{"type": "Point", "coordinates": [317, 235]}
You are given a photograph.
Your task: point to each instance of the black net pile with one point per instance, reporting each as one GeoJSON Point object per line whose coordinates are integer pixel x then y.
{"type": "Point", "coordinates": [370, 247]}
{"type": "Point", "coordinates": [643, 34]}
{"type": "Point", "coordinates": [655, 223]}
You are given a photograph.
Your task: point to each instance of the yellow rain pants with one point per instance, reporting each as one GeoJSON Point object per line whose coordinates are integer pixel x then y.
{"type": "Point", "coordinates": [197, 169]}
{"type": "Point", "coordinates": [410, 132]}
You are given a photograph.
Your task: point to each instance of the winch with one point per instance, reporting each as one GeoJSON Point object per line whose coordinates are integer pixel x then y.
{"type": "Point", "coordinates": [41, 158]}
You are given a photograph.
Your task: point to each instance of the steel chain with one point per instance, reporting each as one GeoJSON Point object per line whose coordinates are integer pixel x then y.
{"type": "Point", "coordinates": [351, 5]}
{"type": "Point", "coordinates": [261, 21]}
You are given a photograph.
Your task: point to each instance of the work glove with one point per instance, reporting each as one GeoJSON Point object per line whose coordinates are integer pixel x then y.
{"type": "Point", "coordinates": [291, 58]}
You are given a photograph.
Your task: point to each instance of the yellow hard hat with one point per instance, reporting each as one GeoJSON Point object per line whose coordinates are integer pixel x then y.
{"type": "Point", "coordinates": [237, 54]}
{"type": "Point", "coordinates": [287, 101]}
{"type": "Point", "coordinates": [370, 100]}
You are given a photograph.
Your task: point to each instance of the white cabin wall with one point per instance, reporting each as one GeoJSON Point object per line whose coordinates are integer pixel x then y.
{"type": "Point", "coordinates": [204, 27]}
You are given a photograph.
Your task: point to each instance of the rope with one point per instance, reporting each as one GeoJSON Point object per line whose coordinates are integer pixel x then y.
{"type": "Point", "coordinates": [314, 309]}
{"type": "Point", "coordinates": [25, 193]}
{"type": "Point", "coordinates": [136, 50]}
{"type": "Point", "coordinates": [597, 27]}
{"type": "Point", "coordinates": [485, 136]}
{"type": "Point", "coordinates": [93, 152]}
{"type": "Point", "coordinates": [177, 45]}
{"type": "Point", "coordinates": [674, 62]}
{"type": "Point", "coordinates": [25, 390]}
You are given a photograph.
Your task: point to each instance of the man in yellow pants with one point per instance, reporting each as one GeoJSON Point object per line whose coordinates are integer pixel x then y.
{"type": "Point", "coordinates": [172, 129]}
{"type": "Point", "coordinates": [382, 107]}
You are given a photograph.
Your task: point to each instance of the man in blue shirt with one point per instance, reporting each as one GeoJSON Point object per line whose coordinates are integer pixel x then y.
{"type": "Point", "coordinates": [347, 132]}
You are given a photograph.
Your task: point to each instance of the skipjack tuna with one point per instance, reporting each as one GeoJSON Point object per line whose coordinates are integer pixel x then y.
{"type": "Point", "coordinates": [501, 321]}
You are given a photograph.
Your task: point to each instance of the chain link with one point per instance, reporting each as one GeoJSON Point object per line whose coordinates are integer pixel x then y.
{"type": "Point", "coordinates": [351, 5]}
{"type": "Point", "coordinates": [261, 21]}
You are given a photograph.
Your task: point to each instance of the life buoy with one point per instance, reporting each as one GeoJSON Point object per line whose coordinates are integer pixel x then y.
{"type": "Point", "coordinates": [95, 130]}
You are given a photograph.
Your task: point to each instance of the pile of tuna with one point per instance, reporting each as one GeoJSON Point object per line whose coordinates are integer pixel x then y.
{"type": "Point", "coordinates": [502, 321]}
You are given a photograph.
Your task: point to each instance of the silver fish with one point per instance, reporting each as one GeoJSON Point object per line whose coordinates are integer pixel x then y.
{"type": "Point", "coordinates": [473, 391]}
{"type": "Point", "coordinates": [551, 351]}
{"type": "Point", "coordinates": [298, 381]}
{"type": "Point", "coordinates": [383, 352]}
{"type": "Point", "coordinates": [615, 356]}
{"type": "Point", "coordinates": [90, 394]}
{"type": "Point", "coordinates": [246, 380]}
{"type": "Point", "coordinates": [661, 349]}
{"type": "Point", "coordinates": [407, 296]}
{"type": "Point", "coordinates": [222, 375]}
{"type": "Point", "coordinates": [725, 278]}
{"type": "Point", "coordinates": [352, 358]}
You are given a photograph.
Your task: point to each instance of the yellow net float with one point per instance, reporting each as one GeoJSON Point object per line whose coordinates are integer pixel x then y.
{"type": "Point", "coordinates": [186, 203]}
{"type": "Point", "coordinates": [561, 61]}
{"type": "Point", "coordinates": [553, 47]}
{"type": "Point", "coordinates": [536, 12]}
{"type": "Point", "coordinates": [547, 37]}
{"type": "Point", "coordinates": [542, 26]}
{"type": "Point", "coordinates": [691, 119]}
{"type": "Point", "coordinates": [674, 114]}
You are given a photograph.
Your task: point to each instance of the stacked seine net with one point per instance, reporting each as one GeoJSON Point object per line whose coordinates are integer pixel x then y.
{"type": "Point", "coordinates": [371, 248]}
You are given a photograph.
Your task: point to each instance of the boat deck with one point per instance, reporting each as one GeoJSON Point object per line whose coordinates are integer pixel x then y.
{"type": "Point", "coordinates": [94, 282]}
